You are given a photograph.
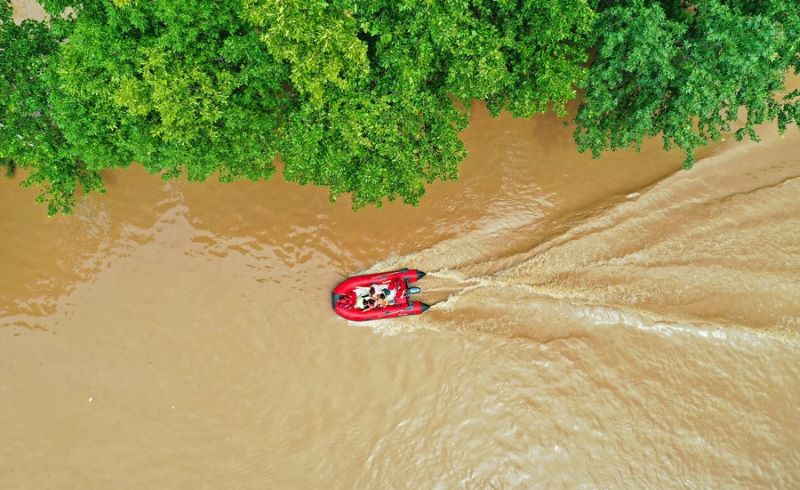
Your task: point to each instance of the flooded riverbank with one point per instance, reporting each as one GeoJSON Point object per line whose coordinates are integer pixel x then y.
{"type": "Point", "coordinates": [599, 323]}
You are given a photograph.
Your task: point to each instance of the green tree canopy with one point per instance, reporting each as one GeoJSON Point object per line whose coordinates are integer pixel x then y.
{"type": "Point", "coordinates": [367, 97]}
{"type": "Point", "coordinates": [684, 70]}
{"type": "Point", "coordinates": [376, 118]}
{"type": "Point", "coordinates": [30, 137]}
{"type": "Point", "coordinates": [360, 96]}
{"type": "Point", "coordinates": [181, 87]}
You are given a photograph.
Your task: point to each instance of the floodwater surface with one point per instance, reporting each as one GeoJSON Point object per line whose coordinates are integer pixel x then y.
{"type": "Point", "coordinates": [597, 323]}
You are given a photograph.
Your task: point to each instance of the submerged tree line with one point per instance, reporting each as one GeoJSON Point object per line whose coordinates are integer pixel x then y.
{"type": "Point", "coordinates": [367, 97]}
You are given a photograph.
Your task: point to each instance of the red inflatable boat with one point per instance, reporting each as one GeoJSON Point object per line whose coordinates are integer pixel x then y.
{"type": "Point", "coordinates": [378, 296]}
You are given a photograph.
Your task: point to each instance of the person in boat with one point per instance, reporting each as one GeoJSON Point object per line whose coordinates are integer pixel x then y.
{"type": "Point", "coordinates": [376, 296]}
{"type": "Point", "coordinates": [369, 304]}
{"type": "Point", "coordinates": [383, 296]}
{"type": "Point", "coordinates": [362, 298]}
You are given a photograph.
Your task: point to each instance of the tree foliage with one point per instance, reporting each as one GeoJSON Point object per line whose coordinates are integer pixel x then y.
{"type": "Point", "coordinates": [181, 87]}
{"type": "Point", "coordinates": [684, 70]}
{"type": "Point", "coordinates": [361, 96]}
{"type": "Point", "coordinates": [375, 82]}
{"type": "Point", "coordinates": [367, 97]}
{"type": "Point", "coordinates": [30, 138]}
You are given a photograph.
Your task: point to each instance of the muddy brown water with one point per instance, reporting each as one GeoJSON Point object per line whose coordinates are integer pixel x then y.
{"type": "Point", "coordinates": [611, 323]}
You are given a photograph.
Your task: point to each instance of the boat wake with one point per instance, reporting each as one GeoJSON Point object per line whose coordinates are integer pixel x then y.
{"type": "Point", "coordinates": [707, 251]}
